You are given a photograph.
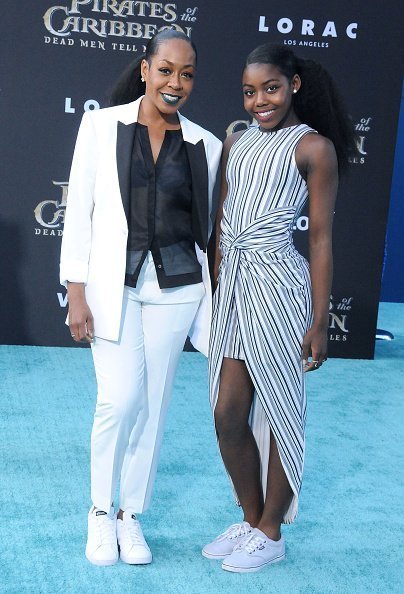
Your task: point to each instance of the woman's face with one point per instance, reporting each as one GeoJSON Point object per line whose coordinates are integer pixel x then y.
{"type": "Point", "coordinates": [268, 96]}
{"type": "Point", "coordinates": [170, 75]}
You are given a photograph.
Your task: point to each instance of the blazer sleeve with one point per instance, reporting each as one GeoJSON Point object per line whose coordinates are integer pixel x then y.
{"type": "Point", "coordinates": [76, 242]}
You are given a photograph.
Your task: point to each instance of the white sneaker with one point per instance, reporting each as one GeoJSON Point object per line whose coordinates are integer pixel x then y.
{"type": "Point", "coordinates": [102, 548]}
{"type": "Point", "coordinates": [132, 545]}
{"type": "Point", "coordinates": [254, 553]}
{"type": "Point", "coordinates": [224, 544]}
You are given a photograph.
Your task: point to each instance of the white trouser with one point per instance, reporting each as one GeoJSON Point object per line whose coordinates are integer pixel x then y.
{"type": "Point", "coordinates": [135, 378]}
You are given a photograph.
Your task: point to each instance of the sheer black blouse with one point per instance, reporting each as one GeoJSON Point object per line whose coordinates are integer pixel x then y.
{"type": "Point", "coordinates": [160, 215]}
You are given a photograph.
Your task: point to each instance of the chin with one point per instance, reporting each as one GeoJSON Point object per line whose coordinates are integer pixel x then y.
{"type": "Point", "coordinates": [271, 125]}
{"type": "Point", "coordinates": [168, 107]}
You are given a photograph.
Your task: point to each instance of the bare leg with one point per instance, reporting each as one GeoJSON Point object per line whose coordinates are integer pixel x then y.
{"type": "Point", "coordinates": [236, 441]}
{"type": "Point", "coordinates": [278, 497]}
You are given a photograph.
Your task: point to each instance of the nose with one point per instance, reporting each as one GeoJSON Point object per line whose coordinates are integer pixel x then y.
{"type": "Point", "coordinates": [175, 82]}
{"type": "Point", "coordinates": [261, 98]}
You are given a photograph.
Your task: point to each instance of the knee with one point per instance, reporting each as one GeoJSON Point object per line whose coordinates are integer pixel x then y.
{"type": "Point", "coordinates": [118, 409]}
{"type": "Point", "coordinates": [230, 425]}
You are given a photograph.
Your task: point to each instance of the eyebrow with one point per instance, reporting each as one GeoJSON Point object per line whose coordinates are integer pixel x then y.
{"type": "Point", "coordinates": [265, 83]}
{"type": "Point", "coordinates": [172, 64]}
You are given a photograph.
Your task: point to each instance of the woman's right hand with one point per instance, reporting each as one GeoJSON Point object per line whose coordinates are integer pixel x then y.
{"type": "Point", "coordinates": [81, 322]}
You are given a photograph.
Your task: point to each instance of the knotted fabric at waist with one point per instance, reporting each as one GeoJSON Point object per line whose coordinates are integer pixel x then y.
{"type": "Point", "coordinates": [269, 237]}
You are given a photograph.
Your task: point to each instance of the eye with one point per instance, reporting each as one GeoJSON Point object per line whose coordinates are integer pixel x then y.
{"type": "Point", "coordinates": [248, 92]}
{"type": "Point", "coordinates": [188, 75]}
{"type": "Point", "coordinates": [164, 70]}
{"type": "Point", "coordinates": [271, 89]}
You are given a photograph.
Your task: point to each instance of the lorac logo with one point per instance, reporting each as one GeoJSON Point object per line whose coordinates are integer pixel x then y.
{"type": "Point", "coordinates": [129, 20]}
{"type": "Point", "coordinates": [50, 214]}
{"type": "Point", "coordinates": [309, 32]}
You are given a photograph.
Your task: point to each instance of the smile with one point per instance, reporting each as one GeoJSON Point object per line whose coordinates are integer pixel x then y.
{"type": "Point", "coordinates": [264, 114]}
{"type": "Point", "coordinates": [170, 99]}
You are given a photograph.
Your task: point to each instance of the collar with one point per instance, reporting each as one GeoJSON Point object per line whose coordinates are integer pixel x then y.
{"type": "Point", "coordinates": [128, 114]}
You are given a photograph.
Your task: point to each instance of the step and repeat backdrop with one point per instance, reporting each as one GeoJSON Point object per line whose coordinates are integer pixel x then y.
{"type": "Point", "coordinates": [61, 57]}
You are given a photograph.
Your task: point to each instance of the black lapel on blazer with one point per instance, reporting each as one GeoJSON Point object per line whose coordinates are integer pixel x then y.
{"type": "Point", "coordinates": [125, 135]}
{"type": "Point", "coordinates": [200, 192]}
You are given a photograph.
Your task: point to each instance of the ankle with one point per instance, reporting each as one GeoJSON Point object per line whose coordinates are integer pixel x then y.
{"type": "Point", "coordinates": [252, 520]}
{"type": "Point", "coordinates": [120, 514]}
{"type": "Point", "coordinates": [272, 531]}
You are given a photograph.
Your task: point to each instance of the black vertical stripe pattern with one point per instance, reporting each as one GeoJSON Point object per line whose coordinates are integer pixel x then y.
{"type": "Point", "coordinates": [262, 306]}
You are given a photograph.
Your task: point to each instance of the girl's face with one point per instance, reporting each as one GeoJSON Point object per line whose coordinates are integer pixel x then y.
{"type": "Point", "coordinates": [268, 96]}
{"type": "Point", "coordinates": [170, 75]}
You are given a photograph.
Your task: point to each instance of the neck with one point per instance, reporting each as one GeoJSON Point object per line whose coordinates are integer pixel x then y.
{"type": "Point", "coordinates": [289, 120]}
{"type": "Point", "coordinates": [149, 115]}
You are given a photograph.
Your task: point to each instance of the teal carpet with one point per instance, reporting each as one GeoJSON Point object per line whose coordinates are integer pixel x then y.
{"type": "Point", "coordinates": [347, 538]}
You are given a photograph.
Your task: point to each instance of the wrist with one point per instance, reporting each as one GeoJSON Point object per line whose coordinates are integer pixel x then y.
{"type": "Point", "coordinates": [75, 291]}
{"type": "Point", "coordinates": [320, 325]}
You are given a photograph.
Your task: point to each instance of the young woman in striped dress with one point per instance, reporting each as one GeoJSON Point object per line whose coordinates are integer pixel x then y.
{"type": "Point", "coordinates": [270, 310]}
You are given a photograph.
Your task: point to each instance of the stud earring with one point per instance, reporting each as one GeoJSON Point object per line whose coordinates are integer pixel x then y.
{"type": "Point", "coordinates": [142, 79]}
{"type": "Point", "coordinates": [295, 90]}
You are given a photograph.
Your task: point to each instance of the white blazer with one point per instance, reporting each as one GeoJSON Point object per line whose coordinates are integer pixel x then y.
{"type": "Point", "coordinates": [96, 229]}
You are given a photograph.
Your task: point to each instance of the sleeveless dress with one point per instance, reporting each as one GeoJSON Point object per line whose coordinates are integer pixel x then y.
{"type": "Point", "coordinates": [262, 305]}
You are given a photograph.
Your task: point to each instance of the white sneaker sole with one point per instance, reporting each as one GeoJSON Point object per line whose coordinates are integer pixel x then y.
{"type": "Point", "coordinates": [101, 562]}
{"type": "Point", "coordinates": [252, 569]}
{"type": "Point", "coordinates": [217, 557]}
{"type": "Point", "coordinates": [138, 561]}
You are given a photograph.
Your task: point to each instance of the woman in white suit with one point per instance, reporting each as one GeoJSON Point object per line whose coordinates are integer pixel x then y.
{"type": "Point", "coordinates": [134, 262]}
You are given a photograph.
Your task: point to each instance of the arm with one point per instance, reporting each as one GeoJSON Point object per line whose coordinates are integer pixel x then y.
{"type": "Point", "coordinates": [228, 143]}
{"type": "Point", "coordinates": [76, 243]}
{"type": "Point", "coordinates": [317, 154]}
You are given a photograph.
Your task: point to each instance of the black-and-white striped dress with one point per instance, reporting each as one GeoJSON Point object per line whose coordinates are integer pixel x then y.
{"type": "Point", "coordinates": [262, 306]}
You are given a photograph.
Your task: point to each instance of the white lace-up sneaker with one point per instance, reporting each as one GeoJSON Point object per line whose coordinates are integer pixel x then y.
{"type": "Point", "coordinates": [102, 548]}
{"type": "Point", "coordinates": [132, 545]}
{"type": "Point", "coordinates": [254, 553]}
{"type": "Point", "coordinates": [224, 544]}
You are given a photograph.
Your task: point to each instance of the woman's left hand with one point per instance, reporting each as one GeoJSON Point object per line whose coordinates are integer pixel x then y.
{"type": "Point", "coordinates": [314, 346]}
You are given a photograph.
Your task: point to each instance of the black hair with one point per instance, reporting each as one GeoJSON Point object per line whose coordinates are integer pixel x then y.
{"type": "Point", "coordinates": [318, 102]}
{"type": "Point", "coordinates": [129, 86]}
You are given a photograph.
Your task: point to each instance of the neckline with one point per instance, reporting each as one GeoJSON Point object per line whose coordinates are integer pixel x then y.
{"type": "Point", "coordinates": [165, 130]}
{"type": "Point", "coordinates": [145, 143]}
{"type": "Point", "coordinates": [278, 130]}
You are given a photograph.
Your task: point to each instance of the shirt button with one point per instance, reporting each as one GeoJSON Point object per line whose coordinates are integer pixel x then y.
{"type": "Point", "coordinates": [159, 266]}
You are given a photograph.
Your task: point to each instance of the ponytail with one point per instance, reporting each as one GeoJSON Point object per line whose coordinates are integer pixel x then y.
{"type": "Point", "coordinates": [129, 86]}
{"type": "Point", "coordinates": [318, 102]}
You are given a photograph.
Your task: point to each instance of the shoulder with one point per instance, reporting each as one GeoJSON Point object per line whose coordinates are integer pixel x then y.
{"type": "Point", "coordinates": [315, 153]}
{"type": "Point", "coordinates": [316, 147]}
{"type": "Point", "coordinates": [230, 140]}
{"type": "Point", "coordinates": [125, 113]}
{"type": "Point", "coordinates": [198, 132]}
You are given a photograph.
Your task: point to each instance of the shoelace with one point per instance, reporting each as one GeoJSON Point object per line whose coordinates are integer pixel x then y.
{"type": "Point", "coordinates": [234, 531]}
{"type": "Point", "coordinates": [251, 543]}
{"type": "Point", "coordinates": [106, 530]}
{"type": "Point", "coordinates": [135, 532]}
